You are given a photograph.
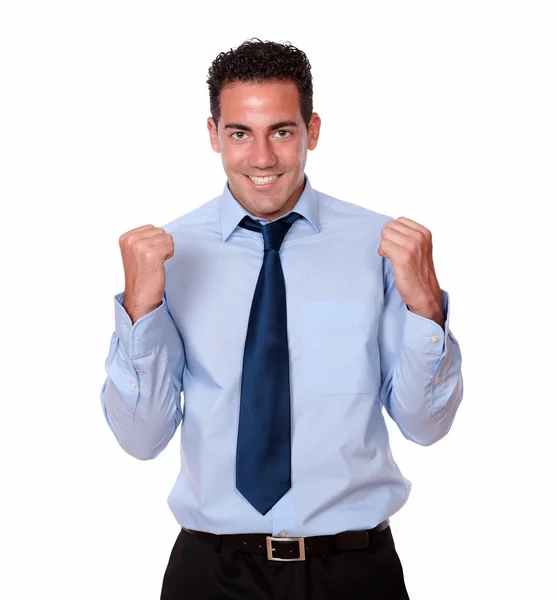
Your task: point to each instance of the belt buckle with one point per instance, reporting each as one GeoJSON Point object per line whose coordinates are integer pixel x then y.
{"type": "Point", "coordinates": [270, 548]}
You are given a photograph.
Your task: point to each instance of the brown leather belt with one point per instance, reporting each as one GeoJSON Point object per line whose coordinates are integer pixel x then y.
{"type": "Point", "coordinates": [292, 548]}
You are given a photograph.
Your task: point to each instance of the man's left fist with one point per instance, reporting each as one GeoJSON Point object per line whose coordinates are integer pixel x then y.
{"type": "Point", "coordinates": [408, 245]}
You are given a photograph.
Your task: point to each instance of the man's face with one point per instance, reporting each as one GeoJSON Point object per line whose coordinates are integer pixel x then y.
{"type": "Point", "coordinates": [261, 134]}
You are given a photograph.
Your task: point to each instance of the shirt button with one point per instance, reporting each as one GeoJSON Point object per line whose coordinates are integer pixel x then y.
{"type": "Point", "coordinates": [437, 379]}
{"type": "Point", "coordinates": [282, 534]}
{"type": "Point", "coordinates": [433, 338]}
{"type": "Point", "coordinates": [133, 384]}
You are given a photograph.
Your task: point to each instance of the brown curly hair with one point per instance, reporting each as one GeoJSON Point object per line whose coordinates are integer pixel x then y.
{"type": "Point", "coordinates": [258, 61]}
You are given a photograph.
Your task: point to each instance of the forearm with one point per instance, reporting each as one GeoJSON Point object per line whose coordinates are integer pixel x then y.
{"type": "Point", "coordinates": [141, 395]}
{"type": "Point", "coordinates": [424, 388]}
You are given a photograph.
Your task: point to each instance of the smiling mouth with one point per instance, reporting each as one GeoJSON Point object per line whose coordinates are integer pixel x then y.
{"type": "Point", "coordinates": [263, 181]}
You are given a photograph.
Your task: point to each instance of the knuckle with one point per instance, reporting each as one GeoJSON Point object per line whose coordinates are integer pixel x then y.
{"type": "Point", "coordinates": [414, 241]}
{"type": "Point", "coordinates": [405, 256]}
{"type": "Point", "coordinates": [141, 245]}
{"type": "Point", "coordinates": [128, 241]}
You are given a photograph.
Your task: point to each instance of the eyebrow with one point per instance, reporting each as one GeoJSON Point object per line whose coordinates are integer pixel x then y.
{"type": "Point", "coordinates": [279, 125]}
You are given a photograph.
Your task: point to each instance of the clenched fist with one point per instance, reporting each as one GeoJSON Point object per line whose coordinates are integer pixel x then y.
{"type": "Point", "coordinates": [409, 246]}
{"type": "Point", "coordinates": [144, 251]}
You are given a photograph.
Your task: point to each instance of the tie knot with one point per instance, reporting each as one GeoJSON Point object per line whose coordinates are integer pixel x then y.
{"type": "Point", "coordinates": [273, 232]}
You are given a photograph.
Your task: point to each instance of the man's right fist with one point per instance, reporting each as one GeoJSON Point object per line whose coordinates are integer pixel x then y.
{"type": "Point", "coordinates": [144, 251]}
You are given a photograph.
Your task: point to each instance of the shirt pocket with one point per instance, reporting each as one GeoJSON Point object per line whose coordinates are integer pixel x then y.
{"type": "Point", "coordinates": [340, 346]}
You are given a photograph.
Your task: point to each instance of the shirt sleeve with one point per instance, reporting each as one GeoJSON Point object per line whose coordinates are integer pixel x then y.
{"type": "Point", "coordinates": [421, 368]}
{"type": "Point", "coordinates": [141, 397]}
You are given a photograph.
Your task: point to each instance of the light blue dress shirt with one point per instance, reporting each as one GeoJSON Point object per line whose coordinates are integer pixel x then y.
{"type": "Point", "coordinates": [355, 349]}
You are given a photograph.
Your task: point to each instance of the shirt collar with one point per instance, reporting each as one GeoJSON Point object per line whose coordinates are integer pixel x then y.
{"type": "Point", "coordinates": [232, 212]}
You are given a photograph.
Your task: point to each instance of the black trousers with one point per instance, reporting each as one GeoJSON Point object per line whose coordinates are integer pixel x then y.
{"type": "Point", "coordinates": [197, 570]}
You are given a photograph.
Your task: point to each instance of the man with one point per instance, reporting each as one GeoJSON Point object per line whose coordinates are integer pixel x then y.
{"type": "Point", "coordinates": [289, 319]}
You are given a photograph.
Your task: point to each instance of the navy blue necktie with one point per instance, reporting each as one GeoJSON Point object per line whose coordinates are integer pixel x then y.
{"type": "Point", "coordinates": [264, 438]}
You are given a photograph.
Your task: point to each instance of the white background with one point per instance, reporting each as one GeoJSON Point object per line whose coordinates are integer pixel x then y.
{"type": "Point", "coordinates": [444, 112]}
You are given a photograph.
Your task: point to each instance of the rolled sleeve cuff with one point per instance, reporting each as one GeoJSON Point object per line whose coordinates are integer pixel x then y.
{"type": "Point", "coordinates": [135, 337]}
{"type": "Point", "coordinates": [425, 335]}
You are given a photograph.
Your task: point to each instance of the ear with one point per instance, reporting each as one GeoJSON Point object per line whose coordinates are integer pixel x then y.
{"type": "Point", "coordinates": [213, 134]}
{"type": "Point", "coordinates": [313, 130]}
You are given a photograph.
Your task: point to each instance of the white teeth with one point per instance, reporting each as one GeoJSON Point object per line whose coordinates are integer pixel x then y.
{"type": "Point", "coordinates": [263, 180]}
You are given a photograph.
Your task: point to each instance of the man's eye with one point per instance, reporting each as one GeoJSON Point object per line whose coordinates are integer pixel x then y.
{"type": "Point", "coordinates": [288, 133]}
{"type": "Point", "coordinates": [238, 133]}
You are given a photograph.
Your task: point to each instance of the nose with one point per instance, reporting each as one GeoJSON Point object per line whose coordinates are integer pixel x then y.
{"type": "Point", "coordinates": [262, 155]}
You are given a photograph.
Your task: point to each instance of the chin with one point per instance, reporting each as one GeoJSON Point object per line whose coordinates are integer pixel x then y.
{"type": "Point", "coordinates": [265, 204]}
{"type": "Point", "coordinates": [267, 209]}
